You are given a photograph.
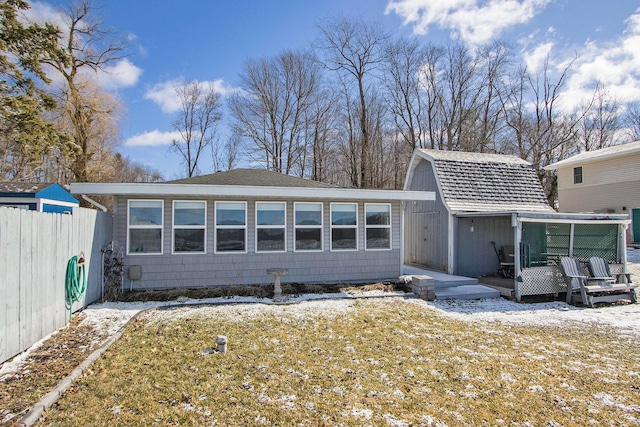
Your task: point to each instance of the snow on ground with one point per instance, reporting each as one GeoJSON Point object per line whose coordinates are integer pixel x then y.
{"type": "Point", "coordinates": [111, 317]}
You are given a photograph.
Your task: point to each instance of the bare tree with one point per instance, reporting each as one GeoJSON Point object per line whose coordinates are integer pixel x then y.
{"type": "Point", "coordinates": [600, 121]}
{"type": "Point", "coordinates": [355, 48]}
{"type": "Point", "coordinates": [88, 47]}
{"type": "Point", "coordinates": [200, 112]}
{"type": "Point", "coordinates": [631, 120]}
{"type": "Point", "coordinates": [276, 97]}
{"type": "Point", "coordinates": [540, 133]}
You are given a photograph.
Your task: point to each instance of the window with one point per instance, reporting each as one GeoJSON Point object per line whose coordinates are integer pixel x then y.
{"type": "Point", "coordinates": [308, 226]}
{"type": "Point", "coordinates": [144, 225]}
{"type": "Point", "coordinates": [231, 226]}
{"type": "Point", "coordinates": [189, 227]}
{"type": "Point", "coordinates": [378, 226]}
{"type": "Point", "coordinates": [270, 226]}
{"type": "Point", "coordinates": [344, 226]}
{"type": "Point", "coordinates": [577, 175]}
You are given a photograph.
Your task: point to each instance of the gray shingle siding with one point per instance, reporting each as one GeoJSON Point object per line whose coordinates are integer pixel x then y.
{"type": "Point", "coordinates": [219, 269]}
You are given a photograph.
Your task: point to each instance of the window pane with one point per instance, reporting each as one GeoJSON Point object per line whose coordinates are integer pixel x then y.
{"type": "Point", "coordinates": [308, 239]}
{"type": "Point", "coordinates": [145, 212]}
{"type": "Point", "coordinates": [344, 214]}
{"type": "Point", "coordinates": [145, 240]}
{"type": "Point", "coordinates": [229, 213]}
{"type": "Point", "coordinates": [230, 239]}
{"type": "Point", "coordinates": [271, 239]}
{"type": "Point", "coordinates": [378, 238]}
{"type": "Point", "coordinates": [270, 213]}
{"type": "Point", "coordinates": [308, 214]}
{"type": "Point", "coordinates": [188, 240]}
{"type": "Point", "coordinates": [343, 238]}
{"type": "Point", "coordinates": [378, 214]}
{"type": "Point", "coordinates": [188, 213]}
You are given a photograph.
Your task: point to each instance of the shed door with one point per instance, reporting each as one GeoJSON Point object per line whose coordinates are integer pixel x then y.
{"type": "Point", "coordinates": [422, 238]}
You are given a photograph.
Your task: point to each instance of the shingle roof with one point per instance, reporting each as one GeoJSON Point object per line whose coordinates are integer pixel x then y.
{"type": "Point", "coordinates": [251, 177]}
{"type": "Point", "coordinates": [478, 182]}
{"type": "Point", "coordinates": [23, 187]}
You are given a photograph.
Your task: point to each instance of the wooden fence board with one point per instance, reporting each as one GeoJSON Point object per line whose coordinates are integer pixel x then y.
{"type": "Point", "coordinates": [34, 250]}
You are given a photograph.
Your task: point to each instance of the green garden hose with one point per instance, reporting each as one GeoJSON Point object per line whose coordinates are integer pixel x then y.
{"type": "Point", "coordinates": [76, 282]}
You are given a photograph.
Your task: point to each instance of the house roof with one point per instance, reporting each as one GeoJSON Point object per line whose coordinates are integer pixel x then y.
{"type": "Point", "coordinates": [252, 177]}
{"type": "Point", "coordinates": [478, 182]}
{"type": "Point", "coordinates": [246, 183]}
{"type": "Point", "coordinates": [42, 190]}
{"type": "Point", "coordinates": [596, 155]}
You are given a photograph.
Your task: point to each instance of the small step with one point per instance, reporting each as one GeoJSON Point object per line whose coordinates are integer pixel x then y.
{"type": "Point", "coordinates": [467, 292]}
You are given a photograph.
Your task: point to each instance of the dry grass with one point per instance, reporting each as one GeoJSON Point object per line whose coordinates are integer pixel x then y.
{"type": "Point", "coordinates": [353, 363]}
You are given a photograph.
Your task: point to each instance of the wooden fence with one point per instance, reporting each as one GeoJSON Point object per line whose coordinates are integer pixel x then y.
{"type": "Point", "coordinates": [34, 250]}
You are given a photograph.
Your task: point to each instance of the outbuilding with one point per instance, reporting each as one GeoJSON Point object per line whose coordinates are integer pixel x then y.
{"type": "Point", "coordinates": [488, 202]}
{"type": "Point", "coordinates": [37, 196]}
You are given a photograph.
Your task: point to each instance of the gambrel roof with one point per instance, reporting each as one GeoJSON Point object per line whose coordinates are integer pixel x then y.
{"type": "Point", "coordinates": [479, 182]}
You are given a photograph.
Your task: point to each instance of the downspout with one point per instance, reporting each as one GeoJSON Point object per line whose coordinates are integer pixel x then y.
{"type": "Point", "coordinates": [94, 203]}
{"type": "Point", "coordinates": [403, 206]}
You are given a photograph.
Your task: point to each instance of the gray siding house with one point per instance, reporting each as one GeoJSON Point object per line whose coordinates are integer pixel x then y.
{"type": "Point", "coordinates": [228, 228]}
{"type": "Point", "coordinates": [489, 200]}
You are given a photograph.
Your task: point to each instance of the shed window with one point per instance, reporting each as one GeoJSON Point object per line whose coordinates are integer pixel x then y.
{"type": "Point", "coordinates": [270, 226]}
{"type": "Point", "coordinates": [378, 226]}
{"type": "Point", "coordinates": [344, 226]}
{"type": "Point", "coordinates": [144, 226]}
{"type": "Point", "coordinates": [189, 226]}
{"type": "Point", "coordinates": [231, 226]}
{"type": "Point", "coordinates": [577, 175]}
{"type": "Point", "coordinates": [308, 226]}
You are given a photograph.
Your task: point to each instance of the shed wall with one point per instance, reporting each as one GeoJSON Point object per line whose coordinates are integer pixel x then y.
{"type": "Point", "coordinates": [220, 269]}
{"type": "Point", "coordinates": [475, 255]}
{"type": "Point", "coordinates": [426, 223]}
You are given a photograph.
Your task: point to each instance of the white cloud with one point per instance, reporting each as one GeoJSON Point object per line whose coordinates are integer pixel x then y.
{"type": "Point", "coordinates": [475, 21]}
{"type": "Point", "coordinates": [164, 94]}
{"type": "Point", "coordinates": [535, 59]}
{"type": "Point", "coordinates": [119, 75]}
{"type": "Point", "coordinates": [152, 139]}
{"type": "Point", "coordinates": [615, 64]}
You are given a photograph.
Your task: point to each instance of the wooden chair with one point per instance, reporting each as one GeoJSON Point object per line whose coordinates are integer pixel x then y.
{"type": "Point", "coordinates": [589, 289]}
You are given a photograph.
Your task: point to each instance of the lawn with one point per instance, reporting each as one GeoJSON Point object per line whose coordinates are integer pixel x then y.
{"type": "Point", "coordinates": [358, 362]}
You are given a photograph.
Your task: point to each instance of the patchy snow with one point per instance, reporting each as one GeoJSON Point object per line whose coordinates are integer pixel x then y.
{"type": "Point", "coordinates": [110, 317]}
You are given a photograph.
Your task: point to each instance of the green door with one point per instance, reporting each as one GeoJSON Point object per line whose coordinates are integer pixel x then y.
{"type": "Point", "coordinates": [635, 218]}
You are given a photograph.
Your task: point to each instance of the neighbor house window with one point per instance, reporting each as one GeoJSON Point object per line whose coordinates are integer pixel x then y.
{"type": "Point", "coordinates": [231, 226]}
{"type": "Point", "coordinates": [344, 226]}
{"type": "Point", "coordinates": [144, 226]}
{"type": "Point", "coordinates": [308, 226]}
{"type": "Point", "coordinates": [378, 226]}
{"type": "Point", "coordinates": [189, 227]}
{"type": "Point", "coordinates": [270, 226]}
{"type": "Point", "coordinates": [577, 175]}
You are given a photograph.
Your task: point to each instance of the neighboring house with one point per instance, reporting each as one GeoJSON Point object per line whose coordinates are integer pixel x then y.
{"type": "Point", "coordinates": [41, 197]}
{"type": "Point", "coordinates": [228, 228]}
{"type": "Point", "coordinates": [601, 181]}
{"type": "Point", "coordinates": [489, 199]}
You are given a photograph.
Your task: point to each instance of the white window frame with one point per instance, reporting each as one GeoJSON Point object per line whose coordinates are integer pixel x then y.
{"type": "Point", "coordinates": [332, 227]}
{"type": "Point", "coordinates": [145, 227]}
{"type": "Point", "coordinates": [187, 227]}
{"type": "Point", "coordinates": [377, 226]}
{"type": "Point", "coordinates": [283, 227]}
{"type": "Point", "coordinates": [232, 227]}
{"type": "Point", "coordinates": [296, 226]}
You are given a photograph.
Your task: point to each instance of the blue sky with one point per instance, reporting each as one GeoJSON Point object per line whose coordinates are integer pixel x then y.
{"type": "Point", "coordinates": [209, 41]}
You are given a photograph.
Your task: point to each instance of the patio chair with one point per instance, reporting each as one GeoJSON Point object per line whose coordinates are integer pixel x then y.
{"type": "Point", "coordinates": [599, 267]}
{"type": "Point", "coordinates": [589, 290]}
{"type": "Point", "coordinates": [507, 263]}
